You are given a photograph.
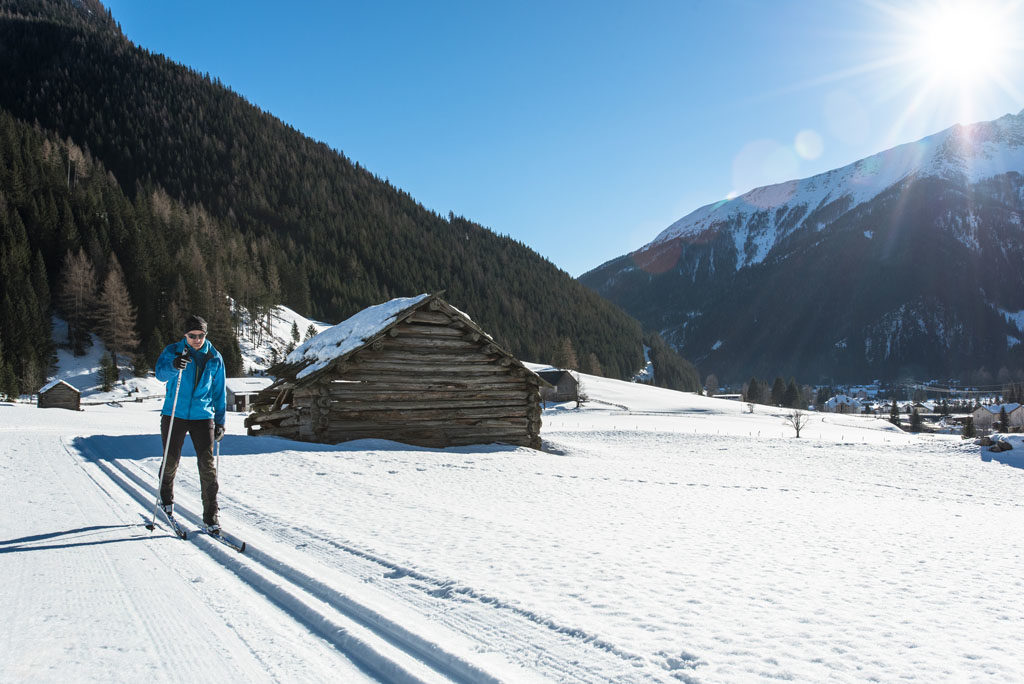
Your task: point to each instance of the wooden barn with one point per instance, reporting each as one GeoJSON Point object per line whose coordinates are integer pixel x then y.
{"type": "Point", "coordinates": [563, 386]}
{"type": "Point", "coordinates": [59, 394]}
{"type": "Point", "coordinates": [241, 391]}
{"type": "Point", "coordinates": [414, 370]}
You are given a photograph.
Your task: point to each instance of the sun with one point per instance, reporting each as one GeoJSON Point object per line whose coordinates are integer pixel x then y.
{"type": "Point", "coordinates": [960, 44]}
{"type": "Point", "coordinates": [948, 59]}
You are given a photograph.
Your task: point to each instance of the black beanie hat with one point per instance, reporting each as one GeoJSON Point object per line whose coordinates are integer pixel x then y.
{"type": "Point", "coordinates": [194, 322]}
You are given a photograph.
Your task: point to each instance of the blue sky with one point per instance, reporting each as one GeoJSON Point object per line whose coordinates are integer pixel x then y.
{"type": "Point", "coordinates": [583, 129]}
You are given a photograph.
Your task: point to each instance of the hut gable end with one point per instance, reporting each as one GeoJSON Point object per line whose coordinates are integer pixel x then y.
{"type": "Point", "coordinates": [426, 374]}
{"type": "Point", "coordinates": [59, 394]}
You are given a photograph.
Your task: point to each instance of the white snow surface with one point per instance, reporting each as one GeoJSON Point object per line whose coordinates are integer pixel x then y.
{"type": "Point", "coordinates": [964, 153]}
{"type": "Point", "coordinates": [661, 537]}
{"type": "Point", "coordinates": [349, 335]}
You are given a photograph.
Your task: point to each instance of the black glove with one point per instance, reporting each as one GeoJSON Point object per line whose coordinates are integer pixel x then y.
{"type": "Point", "coordinates": [181, 360]}
{"type": "Point", "coordinates": [218, 433]}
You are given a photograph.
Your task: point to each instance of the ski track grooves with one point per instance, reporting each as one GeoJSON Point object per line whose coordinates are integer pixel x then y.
{"type": "Point", "coordinates": [380, 646]}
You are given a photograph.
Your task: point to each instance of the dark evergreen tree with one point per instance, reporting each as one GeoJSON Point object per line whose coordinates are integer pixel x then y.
{"type": "Point", "coordinates": [778, 393]}
{"type": "Point", "coordinates": [792, 397]}
{"type": "Point", "coordinates": [1004, 420]}
{"type": "Point", "coordinates": [752, 392]}
{"type": "Point", "coordinates": [894, 414]}
{"type": "Point", "coordinates": [108, 373]}
{"type": "Point", "coordinates": [915, 421]}
{"type": "Point", "coordinates": [969, 431]}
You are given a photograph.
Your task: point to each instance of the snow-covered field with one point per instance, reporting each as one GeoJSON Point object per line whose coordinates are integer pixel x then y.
{"type": "Point", "coordinates": [661, 537]}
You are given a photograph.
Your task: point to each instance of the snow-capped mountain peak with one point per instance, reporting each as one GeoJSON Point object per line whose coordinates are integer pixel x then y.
{"type": "Point", "coordinates": [961, 153]}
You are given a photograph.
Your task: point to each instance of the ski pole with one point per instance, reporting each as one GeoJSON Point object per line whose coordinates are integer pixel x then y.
{"type": "Point", "coordinates": [167, 444]}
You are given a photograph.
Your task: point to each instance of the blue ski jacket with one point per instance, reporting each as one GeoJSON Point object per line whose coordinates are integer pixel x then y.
{"type": "Point", "coordinates": [202, 382]}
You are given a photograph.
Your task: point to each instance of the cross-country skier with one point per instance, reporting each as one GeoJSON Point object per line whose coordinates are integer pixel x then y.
{"type": "Point", "coordinates": [199, 412]}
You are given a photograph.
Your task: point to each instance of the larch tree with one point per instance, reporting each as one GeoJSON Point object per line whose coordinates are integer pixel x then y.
{"type": "Point", "coordinates": [77, 298]}
{"type": "Point", "coordinates": [116, 313]}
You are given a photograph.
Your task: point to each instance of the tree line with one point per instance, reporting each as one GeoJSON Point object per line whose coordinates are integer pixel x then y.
{"type": "Point", "coordinates": [778, 393]}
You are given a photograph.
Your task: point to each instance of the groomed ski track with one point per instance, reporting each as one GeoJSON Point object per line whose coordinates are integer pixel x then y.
{"type": "Point", "coordinates": [408, 627]}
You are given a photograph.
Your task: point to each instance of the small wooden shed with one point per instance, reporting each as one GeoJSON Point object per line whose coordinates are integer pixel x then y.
{"type": "Point", "coordinates": [563, 386]}
{"type": "Point", "coordinates": [59, 394]}
{"type": "Point", "coordinates": [242, 391]}
{"type": "Point", "coordinates": [414, 370]}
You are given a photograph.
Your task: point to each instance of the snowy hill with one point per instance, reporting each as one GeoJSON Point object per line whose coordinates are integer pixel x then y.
{"type": "Point", "coordinates": [661, 537]}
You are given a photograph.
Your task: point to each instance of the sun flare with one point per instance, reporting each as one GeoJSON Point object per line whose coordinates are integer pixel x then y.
{"type": "Point", "coordinates": [961, 43]}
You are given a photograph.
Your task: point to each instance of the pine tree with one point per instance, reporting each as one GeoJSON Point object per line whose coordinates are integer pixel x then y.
{"type": "Point", "coordinates": [778, 391]}
{"type": "Point", "coordinates": [8, 381]}
{"type": "Point", "coordinates": [116, 314]}
{"type": "Point", "coordinates": [753, 391]}
{"type": "Point", "coordinates": [894, 414]}
{"type": "Point", "coordinates": [969, 430]}
{"type": "Point", "coordinates": [310, 333]}
{"type": "Point", "coordinates": [1004, 420]}
{"type": "Point", "coordinates": [108, 373]}
{"type": "Point", "coordinates": [295, 334]}
{"type": "Point", "coordinates": [791, 397]}
{"type": "Point", "coordinates": [140, 366]}
{"type": "Point", "coordinates": [915, 421]}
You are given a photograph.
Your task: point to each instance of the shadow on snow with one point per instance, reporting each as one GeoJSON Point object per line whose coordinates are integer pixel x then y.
{"type": "Point", "coordinates": [29, 543]}
{"type": "Point", "coordinates": [138, 447]}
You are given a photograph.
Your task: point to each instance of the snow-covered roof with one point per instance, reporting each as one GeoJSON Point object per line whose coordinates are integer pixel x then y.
{"type": "Point", "coordinates": [842, 399]}
{"type": "Point", "coordinates": [996, 408]}
{"type": "Point", "coordinates": [53, 383]}
{"type": "Point", "coordinates": [349, 335]}
{"type": "Point", "coordinates": [247, 385]}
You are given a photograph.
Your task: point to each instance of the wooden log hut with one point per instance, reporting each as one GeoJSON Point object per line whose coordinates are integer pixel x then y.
{"type": "Point", "coordinates": [414, 370]}
{"type": "Point", "coordinates": [59, 394]}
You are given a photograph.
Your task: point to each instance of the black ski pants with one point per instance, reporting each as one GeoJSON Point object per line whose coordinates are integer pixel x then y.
{"type": "Point", "coordinates": [201, 432]}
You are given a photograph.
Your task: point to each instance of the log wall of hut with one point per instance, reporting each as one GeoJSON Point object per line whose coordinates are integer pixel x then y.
{"type": "Point", "coordinates": [60, 396]}
{"type": "Point", "coordinates": [430, 380]}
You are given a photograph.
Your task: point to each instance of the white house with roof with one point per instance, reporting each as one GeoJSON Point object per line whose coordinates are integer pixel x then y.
{"type": "Point", "coordinates": [241, 391]}
{"type": "Point", "coordinates": [987, 416]}
{"type": "Point", "coordinates": [843, 403]}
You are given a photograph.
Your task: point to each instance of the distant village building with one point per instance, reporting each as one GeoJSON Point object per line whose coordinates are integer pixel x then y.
{"type": "Point", "coordinates": [414, 370]}
{"type": "Point", "coordinates": [563, 386]}
{"type": "Point", "coordinates": [842, 403]}
{"type": "Point", "coordinates": [242, 391]}
{"type": "Point", "coordinates": [59, 394]}
{"type": "Point", "coordinates": [986, 416]}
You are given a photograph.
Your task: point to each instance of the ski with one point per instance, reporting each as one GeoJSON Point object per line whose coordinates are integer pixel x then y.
{"type": "Point", "coordinates": [228, 540]}
{"type": "Point", "coordinates": [178, 530]}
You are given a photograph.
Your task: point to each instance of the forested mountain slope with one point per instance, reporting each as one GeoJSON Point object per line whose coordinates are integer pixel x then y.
{"type": "Point", "coordinates": [198, 194]}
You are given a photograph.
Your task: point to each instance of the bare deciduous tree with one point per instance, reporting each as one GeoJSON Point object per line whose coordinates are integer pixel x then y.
{"type": "Point", "coordinates": [797, 419]}
{"type": "Point", "coordinates": [77, 298]}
